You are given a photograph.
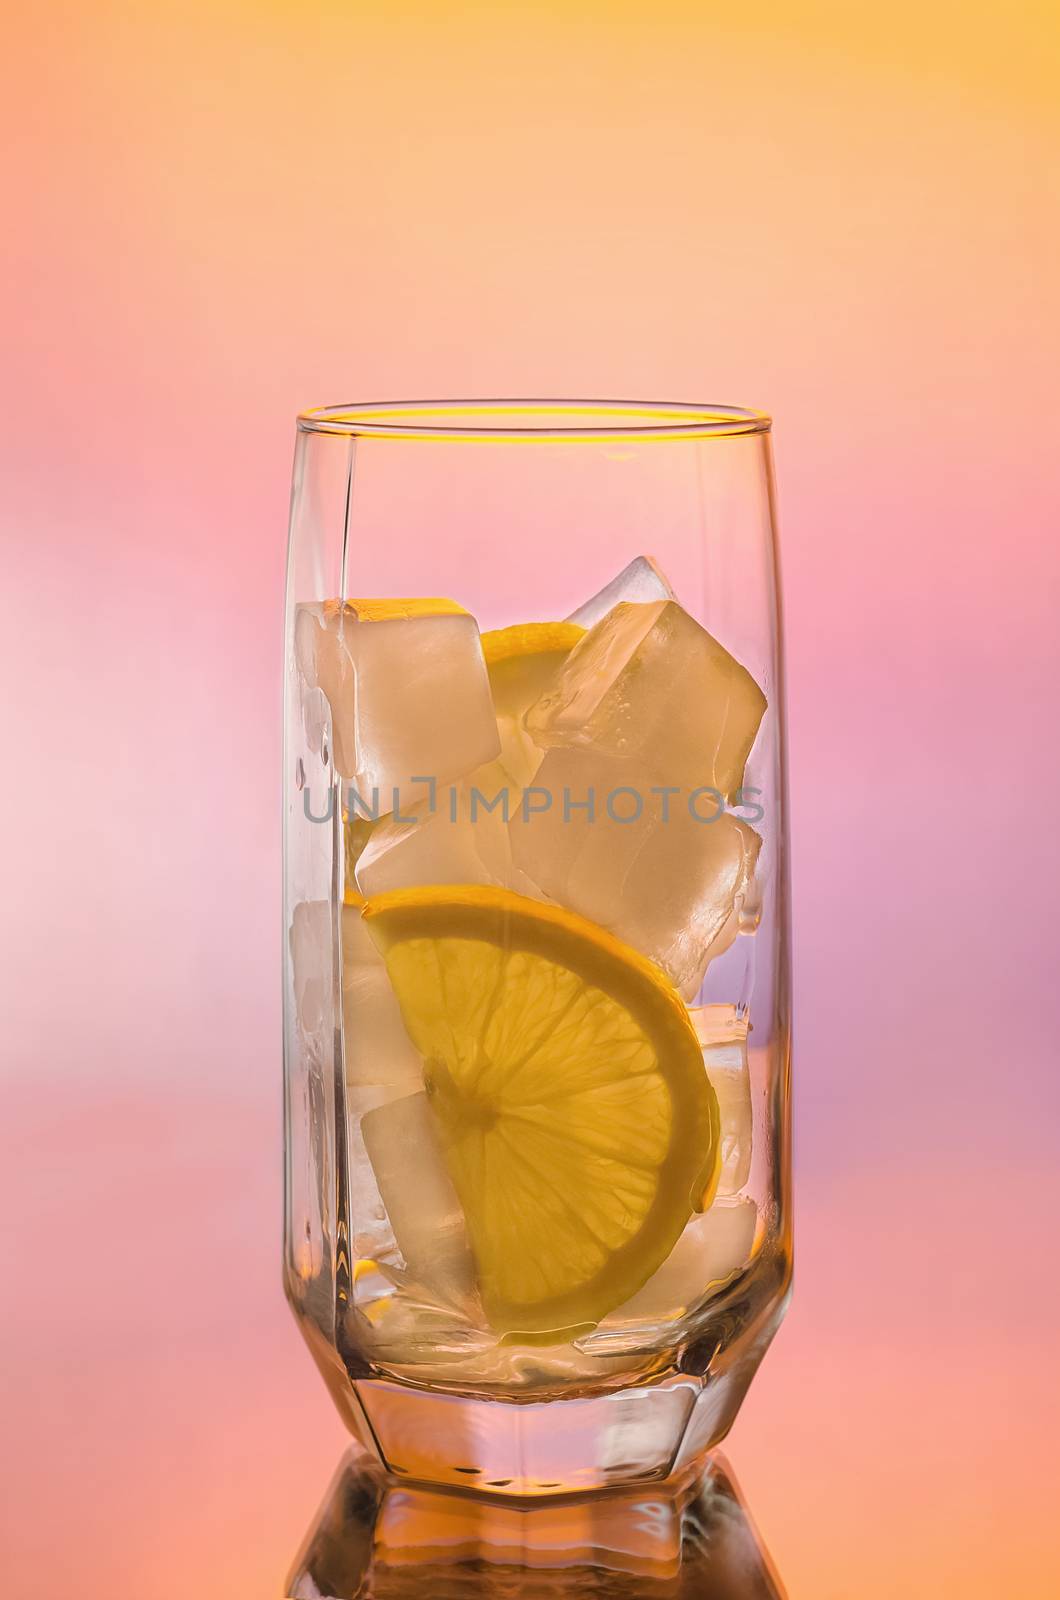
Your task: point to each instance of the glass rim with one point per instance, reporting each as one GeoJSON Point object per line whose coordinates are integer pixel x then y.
{"type": "Point", "coordinates": [533, 419]}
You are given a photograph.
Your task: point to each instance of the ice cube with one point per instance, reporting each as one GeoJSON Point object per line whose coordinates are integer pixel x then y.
{"type": "Point", "coordinates": [371, 1234]}
{"type": "Point", "coordinates": [463, 838]}
{"type": "Point", "coordinates": [458, 840]}
{"type": "Point", "coordinates": [648, 681]}
{"type": "Point", "coordinates": [378, 1051]}
{"type": "Point", "coordinates": [316, 719]}
{"type": "Point", "coordinates": [644, 864]}
{"type": "Point", "coordinates": [310, 944]}
{"type": "Point", "coordinates": [407, 687]}
{"type": "Point", "coordinates": [710, 1251]}
{"type": "Point", "coordinates": [723, 1036]}
{"type": "Point", "coordinates": [640, 581]}
{"type": "Point", "coordinates": [421, 1203]}
{"type": "Point", "coordinates": [380, 1060]}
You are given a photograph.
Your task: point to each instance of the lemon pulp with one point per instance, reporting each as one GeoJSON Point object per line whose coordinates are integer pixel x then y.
{"type": "Point", "coordinates": [574, 1113]}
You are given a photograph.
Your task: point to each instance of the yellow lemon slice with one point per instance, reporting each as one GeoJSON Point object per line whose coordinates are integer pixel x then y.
{"type": "Point", "coordinates": [523, 663]}
{"type": "Point", "coordinates": [527, 640]}
{"type": "Point", "coordinates": [567, 1083]}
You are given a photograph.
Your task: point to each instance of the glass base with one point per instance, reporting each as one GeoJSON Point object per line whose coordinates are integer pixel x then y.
{"type": "Point", "coordinates": [559, 1447]}
{"type": "Point", "coordinates": [645, 1432]}
{"type": "Point", "coordinates": [377, 1539]}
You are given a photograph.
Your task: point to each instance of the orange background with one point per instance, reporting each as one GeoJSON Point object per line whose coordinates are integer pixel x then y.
{"type": "Point", "coordinates": [218, 213]}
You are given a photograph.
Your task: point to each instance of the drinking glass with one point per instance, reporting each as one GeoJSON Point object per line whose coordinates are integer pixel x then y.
{"type": "Point", "coordinates": [536, 1014]}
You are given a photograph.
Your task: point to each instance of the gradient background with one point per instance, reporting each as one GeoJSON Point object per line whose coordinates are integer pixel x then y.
{"type": "Point", "coordinates": [217, 213]}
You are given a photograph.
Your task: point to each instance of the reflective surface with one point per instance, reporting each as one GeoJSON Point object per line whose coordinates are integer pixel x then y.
{"type": "Point", "coordinates": [374, 1539]}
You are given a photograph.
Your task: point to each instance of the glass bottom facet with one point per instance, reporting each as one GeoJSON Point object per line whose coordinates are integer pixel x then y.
{"type": "Point", "coordinates": [514, 1446]}
{"type": "Point", "coordinates": [558, 1447]}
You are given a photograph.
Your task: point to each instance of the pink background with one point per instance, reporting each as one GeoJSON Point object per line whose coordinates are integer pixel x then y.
{"type": "Point", "coordinates": [218, 213]}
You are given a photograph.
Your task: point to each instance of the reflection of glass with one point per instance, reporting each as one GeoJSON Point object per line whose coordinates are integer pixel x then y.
{"type": "Point", "coordinates": [380, 1541]}
{"type": "Point", "coordinates": [536, 997]}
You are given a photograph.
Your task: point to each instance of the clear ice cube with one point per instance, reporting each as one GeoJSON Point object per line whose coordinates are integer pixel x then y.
{"type": "Point", "coordinates": [648, 682]}
{"type": "Point", "coordinates": [373, 1239]}
{"type": "Point", "coordinates": [640, 863]}
{"type": "Point", "coordinates": [641, 580]}
{"type": "Point", "coordinates": [710, 1251]}
{"type": "Point", "coordinates": [723, 1036]}
{"type": "Point", "coordinates": [311, 963]}
{"type": "Point", "coordinates": [421, 1203]}
{"type": "Point", "coordinates": [460, 840]}
{"type": "Point", "coordinates": [316, 719]}
{"type": "Point", "coordinates": [379, 1058]}
{"type": "Point", "coordinates": [378, 1050]}
{"type": "Point", "coordinates": [407, 686]}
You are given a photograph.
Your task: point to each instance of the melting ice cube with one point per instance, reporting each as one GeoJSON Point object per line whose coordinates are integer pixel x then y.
{"type": "Point", "coordinates": [661, 872]}
{"type": "Point", "coordinates": [724, 1039]}
{"type": "Point", "coordinates": [378, 1051]}
{"type": "Point", "coordinates": [421, 1203]}
{"type": "Point", "coordinates": [640, 581]}
{"type": "Point", "coordinates": [648, 681]}
{"type": "Point", "coordinates": [463, 838]}
{"type": "Point", "coordinates": [310, 944]}
{"type": "Point", "coordinates": [710, 1251]}
{"type": "Point", "coordinates": [372, 1236]}
{"type": "Point", "coordinates": [407, 687]}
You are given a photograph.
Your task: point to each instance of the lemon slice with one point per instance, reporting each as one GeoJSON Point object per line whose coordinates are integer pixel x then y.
{"type": "Point", "coordinates": [573, 1110]}
{"type": "Point", "coordinates": [527, 640]}
{"type": "Point", "coordinates": [523, 662]}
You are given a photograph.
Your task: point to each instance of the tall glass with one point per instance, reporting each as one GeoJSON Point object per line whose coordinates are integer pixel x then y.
{"type": "Point", "coordinates": [536, 1017]}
